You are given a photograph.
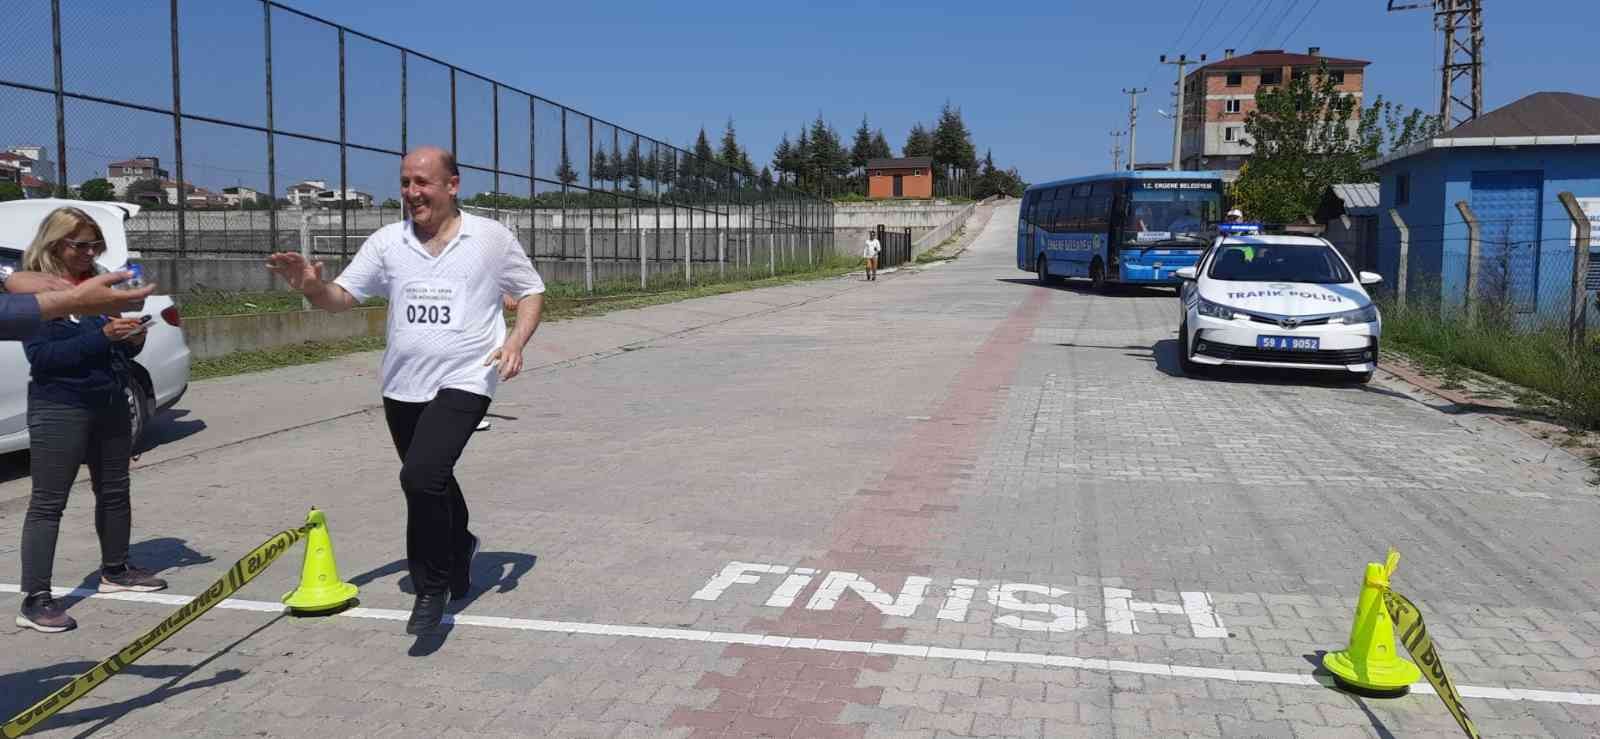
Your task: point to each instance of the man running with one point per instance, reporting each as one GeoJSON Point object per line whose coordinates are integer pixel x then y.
{"type": "Point", "coordinates": [444, 272]}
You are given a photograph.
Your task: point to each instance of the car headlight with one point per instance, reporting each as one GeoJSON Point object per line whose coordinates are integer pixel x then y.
{"type": "Point", "coordinates": [1215, 310]}
{"type": "Point", "coordinates": [1368, 314]}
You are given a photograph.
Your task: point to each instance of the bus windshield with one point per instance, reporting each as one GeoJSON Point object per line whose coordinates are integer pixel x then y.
{"type": "Point", "coordinates": [1164, 215]}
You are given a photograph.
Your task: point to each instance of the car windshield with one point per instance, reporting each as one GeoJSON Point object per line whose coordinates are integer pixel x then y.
{"type": "Point", "coordinates": [1279, 263]}
{"type": "Point", "coordinates": [10, 260]}
{"type": "Point", "coordinates": [1164, 215]}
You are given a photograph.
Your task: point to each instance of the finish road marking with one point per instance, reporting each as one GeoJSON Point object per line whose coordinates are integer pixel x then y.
{"type": "Point", "coordinates": [856, 647]}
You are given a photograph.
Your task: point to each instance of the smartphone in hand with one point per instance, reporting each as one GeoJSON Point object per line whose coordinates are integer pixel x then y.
{"type": "Point", "coordinates": [144, 324]}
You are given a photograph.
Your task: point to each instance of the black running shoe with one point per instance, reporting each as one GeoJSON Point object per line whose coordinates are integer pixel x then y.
{"type": "Point", "coordinates": [41, 612]}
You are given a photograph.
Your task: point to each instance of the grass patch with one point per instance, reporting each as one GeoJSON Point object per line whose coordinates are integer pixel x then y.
{"type": "Point", "coordinates": [310, 352]}
{"type": "Point", "coordinates": [208, 303]}
{"type": "Point", "coordinates": [1538, 359]}
{"type": "Point", "coordinates": [563, 301]}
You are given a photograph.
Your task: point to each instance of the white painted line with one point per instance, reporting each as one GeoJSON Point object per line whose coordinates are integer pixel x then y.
{"type": "Point", "coordinates": [858, 647]}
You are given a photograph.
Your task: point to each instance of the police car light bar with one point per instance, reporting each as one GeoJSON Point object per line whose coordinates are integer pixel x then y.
{"type": "Point", "coordinates": [1238, 229]}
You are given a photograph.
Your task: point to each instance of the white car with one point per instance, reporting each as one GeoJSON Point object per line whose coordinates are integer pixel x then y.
{"type": "Point", "coordinates": [161, 371]}
{"type": "Point", "coordinates": [1277, 301]}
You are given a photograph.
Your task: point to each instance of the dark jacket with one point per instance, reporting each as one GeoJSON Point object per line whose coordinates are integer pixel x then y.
{"type": "Point", "coordinates": [19, 317]}
{"type": "Point", "coordinates": [73, 363]}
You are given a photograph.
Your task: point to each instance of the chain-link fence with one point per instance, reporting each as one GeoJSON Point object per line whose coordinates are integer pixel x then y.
{"type": "Point", "coordinates": [1516, 270]}
{"type": "Point", "coordinates": [246, 126]}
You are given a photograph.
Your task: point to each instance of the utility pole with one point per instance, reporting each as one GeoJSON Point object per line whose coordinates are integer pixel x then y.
{"type": "Point", "coordinates": [1177, 121]}
{"type": "Point", "coordinates": [1133, 123]}
{"type": "Point", "coordinates": [1461, 69]}
{"type": "Point", "coordinates": [1116, 150]}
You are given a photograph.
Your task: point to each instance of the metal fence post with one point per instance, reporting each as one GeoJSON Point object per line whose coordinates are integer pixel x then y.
{"type": "Point", "coordinates": [177, 145]}
{"type": "Point", "coordinates": [588, 258]}
{"type": "Point", "coordinates": [644, 266]}
{"type": "Point", "coordinates": [1474, 241]}
{"type": "Point", "coordinates": [772, 264]}
{"type": "Point", "coordinates": [305, 249]}
{"type": "Point", "coordinates": [688, 253]}
{"type": "Point", "coordinates": [1405, 256]}
{"type": "Point", "coordinates": [272, 144]}
{"type": "Point", "coordinates": [1578, 328]}
{"type": "Point", "coordinates": [722, 254]}
{"type": "Point", "coordinates": [61, 107]}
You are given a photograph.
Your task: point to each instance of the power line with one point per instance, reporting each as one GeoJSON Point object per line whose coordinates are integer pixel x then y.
{"type": "Point", "coordinates": [1189, 24]}
{"type": "Point", "coordinates": [1214, 18]}
{"type": "Point", "coordinates": [1302, 22]}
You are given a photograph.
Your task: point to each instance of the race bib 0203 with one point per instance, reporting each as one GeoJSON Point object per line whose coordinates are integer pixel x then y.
{"type": "Point", "coordinates": [431, 304]}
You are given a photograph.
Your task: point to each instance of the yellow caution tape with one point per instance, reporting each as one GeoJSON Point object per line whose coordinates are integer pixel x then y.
{"type": "Point", "coordinates": [241, 573]}
{"type": "Point", "coordinates": [1414, 635]}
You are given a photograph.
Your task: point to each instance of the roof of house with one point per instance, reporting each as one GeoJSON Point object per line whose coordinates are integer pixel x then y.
{"type": "Point", "coordinates": [135, 162]}
{"type": "Point", "coordinates": [1539, 114]}
{"type": "Point", "coordinates": [1540, 119]}
{"type": "Point", "coordinates": [901, 163]}
{"type": "Point", "coordinates": [1356, 194]}
{"type": "Point", "coordinates": [1281, 58]}
{"type": "Point", "coordinates": [29, 180]}
{"type": "Point", "coordinates": [8, 156]}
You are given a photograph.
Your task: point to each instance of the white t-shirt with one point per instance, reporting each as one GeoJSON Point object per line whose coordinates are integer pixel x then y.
{"type": "Point", "coordinates": [872, 249]}
{"type": "Point", "coordinates": [445, 315]}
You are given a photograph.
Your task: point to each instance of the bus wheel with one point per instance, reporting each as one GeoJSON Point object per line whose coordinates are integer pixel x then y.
{"type": "Point", "coordinates": [1042, 269]}
{"type": "Point", "coordinates": [1097, 277]}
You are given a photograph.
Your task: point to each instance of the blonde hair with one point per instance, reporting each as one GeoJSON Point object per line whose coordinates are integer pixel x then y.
{"type": "Point", "coordinates": [43, 256]}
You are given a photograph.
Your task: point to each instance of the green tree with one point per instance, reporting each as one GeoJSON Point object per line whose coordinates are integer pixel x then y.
{"type": "Point", "coordinates": [98, 188]}
{"type": "Point", "coordinates": [600, 167]}
{"type": "Point", "coordinates": [765, 181]}
{"type": "Point", "coordinates": [880, 146]}
{"type": "Point", "coordinates": [650, 166]}
{"type": "Point", "coordinates": [1306, 136]}
{"type": "Point", "coordinates": [10, 191]}
{"type": "Point", "coordinates": [391, 204]}
{"type": "Point", "coordinates": [632, 166]}
{"type": "Point", "coordinates": [564, 172]}
{"type": "Point", "coordinates": [952, 144]}
{"type": "Point", "coordinates": [803, 174]}
{"type": "Point", "coordinates": [861, 147]}
{"type": "Point", "coordinates": [919, 143]}
{"type": "Point", "coordinates": [730, 153]}
{"type": "Point", "coordinates": [829, 160]}
{"type": "Point", "coordinates": [783, 159]}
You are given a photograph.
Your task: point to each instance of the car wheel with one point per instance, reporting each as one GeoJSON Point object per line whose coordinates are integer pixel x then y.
{"type": "Point", "coordinates": [138, 412]}
{"type": "Point", "coordinates": [1189, 366]}
{"type": "Point", "coordinates": [1097, 277]}
{"type": "Point", "coordinates": [1041, 267]}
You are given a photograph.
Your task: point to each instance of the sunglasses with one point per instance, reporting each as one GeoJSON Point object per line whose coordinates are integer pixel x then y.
{"type": "Point", "coordinates": [92, 245]}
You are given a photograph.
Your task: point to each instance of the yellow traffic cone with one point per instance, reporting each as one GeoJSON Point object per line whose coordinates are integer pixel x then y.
{"type": "Point", "coordinates": [320, 589]}
{"type": "Point", "coordinates": [1371, 662]}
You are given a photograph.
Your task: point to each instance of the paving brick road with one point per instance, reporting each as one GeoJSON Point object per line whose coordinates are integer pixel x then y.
{"type": "Point", "coordinates": [948, 503]}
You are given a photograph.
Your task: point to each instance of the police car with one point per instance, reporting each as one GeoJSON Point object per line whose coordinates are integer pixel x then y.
{"type": "Point", "coordinates": [1271, 300]}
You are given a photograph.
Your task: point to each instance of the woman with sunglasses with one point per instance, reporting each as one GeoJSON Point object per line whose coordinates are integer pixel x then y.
{"type": "Point", "coordinates": [77, 413]}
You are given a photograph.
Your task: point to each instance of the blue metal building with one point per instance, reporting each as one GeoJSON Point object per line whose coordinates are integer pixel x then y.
{"type": "Point", "coordinates": [1509, 165]}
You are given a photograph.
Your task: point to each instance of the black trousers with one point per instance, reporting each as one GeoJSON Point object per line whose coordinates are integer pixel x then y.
{"type": "Point", "coordinates": [429, 438]}
{"type": "Point", "coordinates": [63, 438]}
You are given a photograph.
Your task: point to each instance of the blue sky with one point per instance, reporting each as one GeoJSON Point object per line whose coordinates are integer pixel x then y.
{"type": "Point", "coordinates": [1038, 83]}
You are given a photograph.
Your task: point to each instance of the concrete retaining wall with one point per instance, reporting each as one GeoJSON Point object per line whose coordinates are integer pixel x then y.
{"type": "Point", "coordinates": [216, 336]}
{"type": "Point", "coordinates": [937, 236]}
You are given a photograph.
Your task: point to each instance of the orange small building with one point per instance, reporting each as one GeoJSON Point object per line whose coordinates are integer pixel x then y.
{"type": "Point", "coordinates": [910, 177]}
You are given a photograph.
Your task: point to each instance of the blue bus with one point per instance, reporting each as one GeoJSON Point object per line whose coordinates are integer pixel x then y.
{"type": "Point", "coordinates": [1125, 227]}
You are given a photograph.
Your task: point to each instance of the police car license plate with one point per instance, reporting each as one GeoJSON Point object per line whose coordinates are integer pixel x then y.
{"type": "Point", "coordinates": [1288, 343]}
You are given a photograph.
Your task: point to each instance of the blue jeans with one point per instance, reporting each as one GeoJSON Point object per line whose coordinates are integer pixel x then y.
{"type": "Point", "coordinates": [63, 438]}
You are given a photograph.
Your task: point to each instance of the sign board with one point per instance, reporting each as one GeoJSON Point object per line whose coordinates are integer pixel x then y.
{"type": "Point", "coordinates": [1591, 208]}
